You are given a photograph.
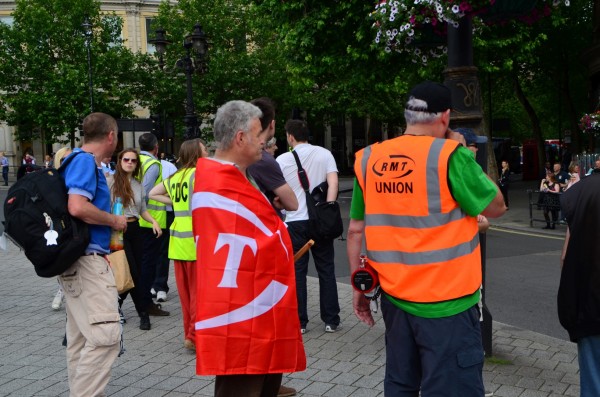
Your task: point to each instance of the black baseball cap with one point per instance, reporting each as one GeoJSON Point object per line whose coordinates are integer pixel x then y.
{"type": "Point", "coordinates": [436, 96]}
{"type": "Point", "coordinates": [470, 137]}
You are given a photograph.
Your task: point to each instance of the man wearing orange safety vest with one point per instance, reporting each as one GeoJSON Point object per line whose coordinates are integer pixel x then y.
{"type": "Point", "coordinates": [415, 203]}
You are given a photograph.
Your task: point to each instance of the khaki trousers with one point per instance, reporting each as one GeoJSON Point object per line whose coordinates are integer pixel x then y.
{"type": "Point", "coordinates": [93, 328]}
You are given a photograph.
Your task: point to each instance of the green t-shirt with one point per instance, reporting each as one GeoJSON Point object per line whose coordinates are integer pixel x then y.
{"type": "Point", "coordinates": [473, 191]}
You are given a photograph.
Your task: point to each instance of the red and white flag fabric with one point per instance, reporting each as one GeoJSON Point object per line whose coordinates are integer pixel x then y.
{"type": "Point", "coordinates": [247, 315]}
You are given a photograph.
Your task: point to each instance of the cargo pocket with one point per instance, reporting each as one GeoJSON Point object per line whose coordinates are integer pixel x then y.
{"type": "Point", "coordinates": [105, 329]}
{"type": "Point", "coordinates": [470, 358]}
{"type": "Point", "coordinates": [470, 364]}
{"type": "Point", "coordinates": [71, 283]}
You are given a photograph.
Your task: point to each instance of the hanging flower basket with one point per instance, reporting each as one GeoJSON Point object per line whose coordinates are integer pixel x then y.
{"type": "Point", "coordinates": [403, 25]}
{"type": "Point", "coordinates": [590, 123]}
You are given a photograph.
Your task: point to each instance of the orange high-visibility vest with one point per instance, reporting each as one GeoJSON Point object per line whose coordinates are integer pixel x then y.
{"type": "Point", "coordinates": [424, 247]}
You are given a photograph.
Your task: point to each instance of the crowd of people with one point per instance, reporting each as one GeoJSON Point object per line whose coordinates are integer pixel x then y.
{"type": "Point", "coordinates": [139, 180]}
{"type": "Point", "coordinates": [232, 222]}
{"type": "Point", "coordinates": [556, 182]}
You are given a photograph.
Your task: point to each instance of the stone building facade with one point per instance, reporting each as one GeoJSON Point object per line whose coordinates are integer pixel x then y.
{"type": "Point", "coordinates": [136, 15]}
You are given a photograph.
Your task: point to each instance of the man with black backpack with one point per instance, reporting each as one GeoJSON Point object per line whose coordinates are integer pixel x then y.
{"type": "Point", "coordinates": [319, 166]}
{"type": "Point", "coordinates": [93, 328]}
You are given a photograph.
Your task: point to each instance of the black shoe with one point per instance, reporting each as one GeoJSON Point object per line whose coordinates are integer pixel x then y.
{"type": "Point", "coordinates": [145, 322]}
{"type": "Point", "coordinates": [553, 226]}
{"type": "Point", "coordinates": [156, 310]}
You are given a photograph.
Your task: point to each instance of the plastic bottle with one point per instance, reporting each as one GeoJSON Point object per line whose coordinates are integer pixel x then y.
{"type": "Point", "coordinates": [116, 238]}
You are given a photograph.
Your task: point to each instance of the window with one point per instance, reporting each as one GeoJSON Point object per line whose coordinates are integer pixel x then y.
{"type": "Point", "coordinates": [150, 33]}
{"type": "Point", "coordinates": [7, 19]}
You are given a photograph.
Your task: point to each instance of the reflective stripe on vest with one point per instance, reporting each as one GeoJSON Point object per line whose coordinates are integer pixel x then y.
{"type": "Point", "coordinates": [424, 247]}
{"type": "Point", "coordinates": [180, 188]}
{"type": "Point", "coordinates": [155, 208]}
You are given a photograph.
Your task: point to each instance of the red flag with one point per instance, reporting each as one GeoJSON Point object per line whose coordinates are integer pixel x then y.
{"type": "Point", "coordinates": [247, 316]}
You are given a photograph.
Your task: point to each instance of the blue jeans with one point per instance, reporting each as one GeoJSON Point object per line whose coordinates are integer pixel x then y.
{"type": "Point", "coordinates": [323, 256]}
{"type": "Point", "coordinates": [437, 356]}
{"type": "Point", "coordinates": [588, 350]}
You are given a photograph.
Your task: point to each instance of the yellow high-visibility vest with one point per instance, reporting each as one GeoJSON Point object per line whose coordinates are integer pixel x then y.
{"type": "Point", "coordinates": [180, 188]}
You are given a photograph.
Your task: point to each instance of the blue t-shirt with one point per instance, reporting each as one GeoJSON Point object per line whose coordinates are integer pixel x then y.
{"type": "Point", "coordinates": [80, 179]}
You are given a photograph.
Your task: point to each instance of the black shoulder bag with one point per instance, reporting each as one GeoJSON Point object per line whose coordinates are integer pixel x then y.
{"type": "Point", "coordinates": [325, 219]}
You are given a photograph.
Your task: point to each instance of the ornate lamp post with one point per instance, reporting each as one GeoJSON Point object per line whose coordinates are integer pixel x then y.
{"type": "Point", "coordinates": [88, 32]}
{"type": "Point", "coordinates": [196, 47]}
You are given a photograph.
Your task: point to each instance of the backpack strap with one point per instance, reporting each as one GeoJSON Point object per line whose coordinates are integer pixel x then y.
{"type": "Point", "coordinates": [301, 173]}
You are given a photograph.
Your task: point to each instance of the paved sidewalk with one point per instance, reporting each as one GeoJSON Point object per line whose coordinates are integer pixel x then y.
{"type": "Point", "coordinates": [347, 363]}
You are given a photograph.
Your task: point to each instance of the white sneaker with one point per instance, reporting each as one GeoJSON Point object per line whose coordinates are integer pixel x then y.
{"type": "Point", "coordinates": [161, 296]}
{"type": "Point", "coordinates": [153, 293]}
{"type": "Point", "coordinates": [332, 328]}
{"type": "Point", "coordinates": [57, 301]}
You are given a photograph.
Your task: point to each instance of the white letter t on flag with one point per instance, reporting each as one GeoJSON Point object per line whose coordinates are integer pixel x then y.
{"type": "Point", "coordinates": [236, 244]}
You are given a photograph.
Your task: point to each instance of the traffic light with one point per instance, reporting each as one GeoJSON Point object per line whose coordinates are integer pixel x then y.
{"type": "Point", "coordinates": [156, 125]}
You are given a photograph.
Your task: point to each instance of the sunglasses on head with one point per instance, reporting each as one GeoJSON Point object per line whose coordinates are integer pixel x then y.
{"type": "Point", "coordinates": [128, 160]}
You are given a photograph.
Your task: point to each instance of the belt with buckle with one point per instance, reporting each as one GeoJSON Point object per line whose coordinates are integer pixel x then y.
{"type": "Point", "coordinates": [95, 254]}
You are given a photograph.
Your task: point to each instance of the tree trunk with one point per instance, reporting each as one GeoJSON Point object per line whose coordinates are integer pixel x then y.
{"type": "Point", "coordinates": [571, 112]}
{"type": "Point", "coordinates": [535, 121]}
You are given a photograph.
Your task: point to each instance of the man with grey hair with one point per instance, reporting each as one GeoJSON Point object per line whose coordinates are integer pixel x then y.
{"type": "Point", "coordinates": [415, 202]}
{"type": "Point", "coordinates": [247, 329]}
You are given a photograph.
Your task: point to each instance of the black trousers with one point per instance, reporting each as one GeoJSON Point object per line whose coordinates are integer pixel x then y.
{"type": "Point", "coordinates": [247, 385]}
{"type": "Point", "coordinates": [133, 240]}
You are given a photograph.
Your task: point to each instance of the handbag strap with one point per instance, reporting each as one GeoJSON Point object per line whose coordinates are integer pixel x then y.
{"type": "Point", "coordinates": [301, 173]}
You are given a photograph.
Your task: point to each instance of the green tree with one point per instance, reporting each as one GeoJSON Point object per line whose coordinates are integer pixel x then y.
{"type": "Point", "coordinates": [243, 59]}
{"type": "Point", "coordinates": [537, 66]}
{"type": "Point", "coordinates": [44, 69]}
{"type": "Point", "coordinates": [333, 64]}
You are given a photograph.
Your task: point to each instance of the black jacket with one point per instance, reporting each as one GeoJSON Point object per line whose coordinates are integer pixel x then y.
{"type": "Point", "coordinates": [579, 290]}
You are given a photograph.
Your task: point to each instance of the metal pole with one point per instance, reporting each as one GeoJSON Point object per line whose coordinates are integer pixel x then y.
{"type": "Point", "coordinates": [88, 43]}
{"type": "Point", "coordinates": [461, 78]}
{"type": "Point", "coordinates": [164, 126]}
{"type": "Point", "coordinates": [91, 83]}
{"type": "Point", "coordinates": [190, 120]}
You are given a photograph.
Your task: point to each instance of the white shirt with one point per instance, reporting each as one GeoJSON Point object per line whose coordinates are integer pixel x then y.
{"type": "Point", "coordinates": [317, 163]}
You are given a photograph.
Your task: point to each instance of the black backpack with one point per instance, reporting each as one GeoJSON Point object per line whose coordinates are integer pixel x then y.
{"type": "Point", "coordinates": [37, 220]}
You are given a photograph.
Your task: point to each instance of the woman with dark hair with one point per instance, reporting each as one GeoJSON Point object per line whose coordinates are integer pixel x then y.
{"type": "Point", "coordinates": [551, 201]}
{"type": "Point", "coordinates": [177, 190]}
{"type": "Point", "coordinates": [125, 185]}
{"type": "Point", "coordinates": [504, 180]}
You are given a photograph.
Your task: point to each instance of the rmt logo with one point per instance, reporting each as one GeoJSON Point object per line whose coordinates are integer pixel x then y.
{"type": "Point", "coordinates": [398, 165]}
{"type": "Point", "coordinates": [395, 166]}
